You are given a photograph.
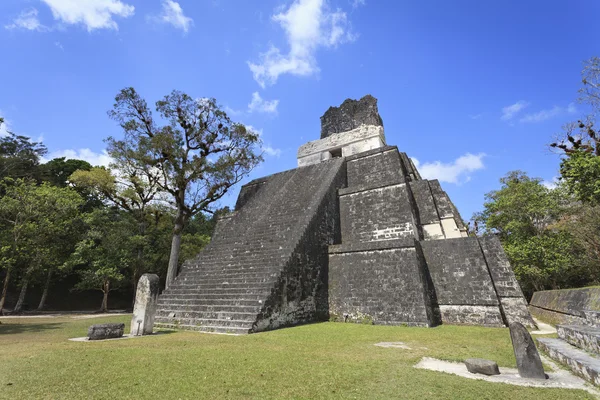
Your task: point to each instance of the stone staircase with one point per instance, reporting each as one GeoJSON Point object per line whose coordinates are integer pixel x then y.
{"type": "Point", "coordinates": [225, 288]}
{"type": "Point", "coordinates": [578, 347]}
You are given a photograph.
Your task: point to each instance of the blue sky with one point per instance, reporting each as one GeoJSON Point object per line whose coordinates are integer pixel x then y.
{"type": "Point", "coordinates": [470, 89]}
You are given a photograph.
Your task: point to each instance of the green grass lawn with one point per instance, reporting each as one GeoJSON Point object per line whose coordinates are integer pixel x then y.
{"type": "Point", "coordinates": [327, 360]}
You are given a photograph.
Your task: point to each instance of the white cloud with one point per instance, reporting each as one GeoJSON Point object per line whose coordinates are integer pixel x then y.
{"type": "Point", "coordinates": [259, 105]}
{"type": "Point", "coordinates": [59, 45]}
{"type": "Point", "coordinates": [94, 14]}
{"type": "Point", "coordinates": [271, 151]}
{"type": "Point", "coordinates": [5, 127]}
{"type": "Point", "coordinates": [509, 112]}
{"type": "Point", "coordinates": [88, 155]}
{"type": "Point", "coordinates": [173, 14]}
{"type": "Point", "coordinates": [544, 115]}
{"type": "Point", "coordinates": [551, 184]}
{"type": "Point", "coordinates": [457, 171]}
{"type": "Point", "coordinates": [28, 19]}
{"type": "Point", "coordinates": [475, 116]}
{"type": "Point", "coordinates": [266, 148]}
{"type": "Point", "coordinates": [308, 25]}
{"type": "Point", "coordinates": [358, 3]}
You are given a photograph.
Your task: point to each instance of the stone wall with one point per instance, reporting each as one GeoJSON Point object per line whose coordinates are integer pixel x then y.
{"type": "Point", "coordinates": [464, 289]}
{"type": "Point", "coordinates": [565, 306]}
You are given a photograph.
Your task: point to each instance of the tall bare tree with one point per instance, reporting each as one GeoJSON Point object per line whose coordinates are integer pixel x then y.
{"type": "Point", "coordinates": [195, 157]}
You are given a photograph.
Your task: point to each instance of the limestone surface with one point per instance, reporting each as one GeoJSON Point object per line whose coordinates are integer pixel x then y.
{"type": "Point", "coordinates": [482, 366]}
{"type": "Point", "coordinates": [144, 310]}
{"type": "Point", "coordinates": [105, 331]}
{"type": "Point", "coordinates": [529, 363]}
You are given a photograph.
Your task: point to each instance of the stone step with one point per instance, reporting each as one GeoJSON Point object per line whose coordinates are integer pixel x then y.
{"type": "Point", "coordinates": [229, 275]}
{"type": "Point", "coordinates": [212, 315]}
{"type": "Point", "coordinates": [232, 269]}
{"type": "Point", "coordinates": [580, 362]}
{"type": "Point", "coordinates": [224, 290]}
{"type": "Point", "coordinates": [208, 329]}
{"type": "Point", "coordinates": [205, 297]}
{"type": "Point", "coordinates": [582, 336]}
{"type": "Point", "coordinates": [220, 285]}
{"type": "Point", "coordinates": [250, 280]}
{"type": "Point", "coordinates": [206, 322]}
{"type": "Point", "coordinates": [199, 307]}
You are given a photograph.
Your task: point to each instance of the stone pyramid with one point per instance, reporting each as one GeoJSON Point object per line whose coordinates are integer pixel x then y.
{"type": "Point", "coordinates": [353, 234]}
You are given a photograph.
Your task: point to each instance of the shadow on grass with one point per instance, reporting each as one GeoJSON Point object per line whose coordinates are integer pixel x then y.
{"type": "Point", "coordinates": [13, 328]}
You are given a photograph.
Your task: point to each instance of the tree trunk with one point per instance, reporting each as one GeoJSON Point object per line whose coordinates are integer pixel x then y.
{"type": "Point", "coordinates": [105, 290]}
{"type": "Point", "coordinates": [45, 292]}
{"type": "Point", "coordinates": [5, 289]}
{"type": "Point", "coordinates": [22, 294]}
{"type": "Point", "coordinates": [175, 247]}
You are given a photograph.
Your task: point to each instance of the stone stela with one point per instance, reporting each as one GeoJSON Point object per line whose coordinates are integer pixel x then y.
{"type": "Point", "coordinates": [353, 234]}
{"type": "Point", "coordinates": [144, 309]}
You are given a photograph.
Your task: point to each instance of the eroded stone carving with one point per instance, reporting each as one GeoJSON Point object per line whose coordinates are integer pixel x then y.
{"type": "Point", "coordinates": [529, 363]}
{"type": "Point", "coordinates": [105, 331]}
{"type": "Point", "coordinates": [482, 366]}
{"type": "Point", "coordinates": [350, 115]}
{"type": "Point", "coordinates": [144, 310]}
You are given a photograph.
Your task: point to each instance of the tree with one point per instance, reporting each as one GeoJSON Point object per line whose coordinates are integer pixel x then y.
{"type": "Point", "coordinates": [523, 213]}
{"type": "Point", "coordinates": [133, 194]}
{"type": "Point", "coordinates": [37, 224]}
{"type": "Point", "coordinates": [18, 210]}
{"type": "Point", "coordinates": [195, 158]}
{"type": "Point", "coordinates": [103, 256]}
{"type": "Point", "coordinates": [19, 156]}
{"type": "Point", "coordinates": [51, 236]}
{"type": "Point", "coordinates": [580, 166]}
{"type": "Point", "coordinates": [580, 142]}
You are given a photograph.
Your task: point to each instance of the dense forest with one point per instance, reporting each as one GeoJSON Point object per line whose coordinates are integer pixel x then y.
{"type": "Point", "coordinates": [71, 232]}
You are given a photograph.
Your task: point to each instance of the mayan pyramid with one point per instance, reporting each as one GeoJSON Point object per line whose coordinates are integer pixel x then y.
{"type": "Point", "coordinates": [353, 234]}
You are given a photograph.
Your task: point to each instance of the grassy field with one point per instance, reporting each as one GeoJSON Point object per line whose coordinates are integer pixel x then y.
{"type": "Point", "coordinates": [328, 360]}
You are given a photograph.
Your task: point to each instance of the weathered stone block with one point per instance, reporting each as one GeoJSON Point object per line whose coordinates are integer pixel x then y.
{"type": "Point", "coordinates": [482, 366]}
{"type": "Point", "coordinates": [528, 359]}
{"type": "Point", "coordinates": [350, 115]}
{"type": "Point", "coordinates": [106, 331]}
{"type": "Point", "coordinates": [144, 310]}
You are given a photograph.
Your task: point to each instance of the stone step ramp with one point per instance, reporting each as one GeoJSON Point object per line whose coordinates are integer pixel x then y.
{"type": "Point", "coordinates": [206, 298]}
{"type": "Point", "coordinates": [582, 336]}
{"type": "Point", "coordinates": [212, 322]}
{"type": "Point", "coordinates": [580, 362]}
{"type": "Point", "coordinates": [204, 328]}
{"type": "Point", "coordinates": [220, 315]}
{"type": "Point", "coordinates": [195, 307]}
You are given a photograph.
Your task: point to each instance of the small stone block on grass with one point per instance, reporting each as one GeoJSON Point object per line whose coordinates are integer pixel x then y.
{"type": "Point", "coordinates": [105, 331]}
{"type": "Point", "coordinates": [482, 366]}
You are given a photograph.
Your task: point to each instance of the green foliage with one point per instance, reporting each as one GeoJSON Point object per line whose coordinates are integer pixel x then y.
{"type": "Point", "coordinates": [39, 224]}
{"type": "Point", "coordinates": [103, 256]}
{"type": "Point", "coordinates": [581, 172]}
{"type": "Point", "coordinates": [20, 157]}
{"type": "Point", "coordinates": [524, 213]}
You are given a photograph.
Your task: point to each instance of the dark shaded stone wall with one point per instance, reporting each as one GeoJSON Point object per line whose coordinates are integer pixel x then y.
{"type": "Point", "coordinates": [350, 115]}
{"type": "Point", "coordinates": [377, 214]}
{"type": "Point", "coordinates": [424, 199]}
{"type": "Point", "coordinates": [459, 272]}
{"type": "Point", "coordinates": [381, 286]}
{"type": "Point", "coordinates": [376, 169]}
